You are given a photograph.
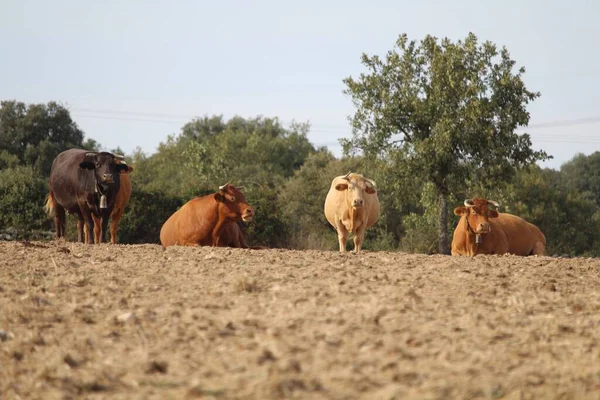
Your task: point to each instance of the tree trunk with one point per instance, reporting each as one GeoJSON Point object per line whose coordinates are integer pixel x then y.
{"type": "Point", "coordinates": [443, 223]}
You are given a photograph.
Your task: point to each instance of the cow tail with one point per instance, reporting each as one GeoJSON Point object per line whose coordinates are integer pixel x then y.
{"type": "Point", "coordinates": [50, 203]}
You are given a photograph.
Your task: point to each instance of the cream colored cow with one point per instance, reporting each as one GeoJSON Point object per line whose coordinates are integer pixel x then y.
{"type": "Point", "coordinates": [352, 206]}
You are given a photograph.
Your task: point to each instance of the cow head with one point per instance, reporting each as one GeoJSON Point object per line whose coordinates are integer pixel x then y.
{"type": "Point", "coordinates": [477, 213]}
{"type": "Point", "coordinates": [106, 166]}
{"type": "Point", "coordinates": [234, 205]}
{"type": "Point", "coordinates": [355, 186]}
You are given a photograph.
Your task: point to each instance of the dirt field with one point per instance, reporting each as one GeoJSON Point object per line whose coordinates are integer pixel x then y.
{"type": "Point", "coordinates": [137, 322]}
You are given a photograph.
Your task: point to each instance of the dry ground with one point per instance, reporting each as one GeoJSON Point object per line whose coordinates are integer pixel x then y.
{"type": "Point", "coordinates": [137, 322]}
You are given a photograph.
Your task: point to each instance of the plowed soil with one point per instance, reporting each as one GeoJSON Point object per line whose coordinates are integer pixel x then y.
{"type": "Point", "coordinates": [140, 322]}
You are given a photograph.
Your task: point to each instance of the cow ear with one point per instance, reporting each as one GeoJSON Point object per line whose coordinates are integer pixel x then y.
{"type": "Point", "coordinates": [460, 210]}
{"type": "Point", "coordinates": [122, 167]}
{"type": "Point", "coordinates": [493, 214]}
{"type": "Point", "coordinates": [341, 186]}
{"type": "Point", "coordinates": [86, 165]}
{"type": "Point", "coordinates": [129, 170]}
{"type": "Point", "coordinates": [370, 190]}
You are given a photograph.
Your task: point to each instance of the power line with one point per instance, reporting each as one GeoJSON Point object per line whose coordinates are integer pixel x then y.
{"type": "Point", "coordinates": [179, 119]}
{"type": "Point", "coordinates": [172, 118]}
{"type": "Point", "coordinates": [144, 114]}
{"type": "Point", "coordinates": [567, 122]}
{"type": "Point", "coordinates": [127, 119]}
{"type": "Point", "coordinates": [152, 117]}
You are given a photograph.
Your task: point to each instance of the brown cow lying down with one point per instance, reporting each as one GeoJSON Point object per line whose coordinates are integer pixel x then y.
{"type": "Point", "coordinates": [484, 231]}
{"type": "Point", "coordinates": [210, 220]}
{"type": "Point", "coordinates": [351, 206]}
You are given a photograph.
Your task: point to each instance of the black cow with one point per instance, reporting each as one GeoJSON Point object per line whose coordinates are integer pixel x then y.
{"type": "Point", "coordinates": [84, 183]}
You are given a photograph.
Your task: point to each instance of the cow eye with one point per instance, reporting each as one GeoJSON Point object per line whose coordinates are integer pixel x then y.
{"type": "Point", "coordinates": [473, 212]}
{"type": "Point", "coordinates": [231, 198]}
{"type": "Point", "coordinates": [97, 165]}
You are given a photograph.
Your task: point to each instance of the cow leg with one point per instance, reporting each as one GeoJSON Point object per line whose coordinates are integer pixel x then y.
{"type": "Point", "coordinates": [234, 242]}
{"type": "Point", "coordinates": [80, 233]}
{"type": "Point", "coordinates": [114, 224]}
{"type": "Point", "coordinates": [235, 238]}
{"type": "Point", "coordinates": [89, 222]}
{"type": "Point", "coordinates": [539, 249]}
{"type": "Point", "coordinates": [96, 228]}
{"type": "Point", "coordinates": [104, 228]}
{"type": "Point", "coordinates": [115, 218]}
{"type": "Point", "coordinates": [85, 232]}
{"type": "Point", "coordinates": [241, 239]}
{"type": "Point", "coordinates": [216, 234]}
{"type": "Point", "coordinates": [342, 236]}
{"type": "Point", "coordinates": [59, 220]}
{"type": "Point", "coordinates": [358, 240]}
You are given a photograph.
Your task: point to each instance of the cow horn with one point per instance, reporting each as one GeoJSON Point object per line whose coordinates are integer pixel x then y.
{"type": "Point", "coordinates": [372, 182]}
{"type": "Point", "coordinates": [223, 187]}
{"type": "Point", "coordinates": [91, 153]}
{"type": "Point", "coordinates": [492, 202]}
{"type": "Point", "coordinates": [118, 156]}
{"type": "Point", "coordinates": [346, 176]}
{"type": "Point", "coordinates": [469, 203]}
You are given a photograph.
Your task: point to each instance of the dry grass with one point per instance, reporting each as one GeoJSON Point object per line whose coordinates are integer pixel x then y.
{"type": "Point", "coordinates": [137, 322]}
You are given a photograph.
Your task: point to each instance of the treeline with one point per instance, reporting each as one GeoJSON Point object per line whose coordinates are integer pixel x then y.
{"type": "Point", "coordinates": [286, 178]}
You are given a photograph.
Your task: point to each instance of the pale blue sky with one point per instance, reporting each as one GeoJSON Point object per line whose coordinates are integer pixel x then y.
{"type": "Point", "coordinates": [133, 72]}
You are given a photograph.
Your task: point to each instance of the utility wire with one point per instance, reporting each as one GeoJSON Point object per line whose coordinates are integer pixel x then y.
{"type": "Point", "coordinates": [540, 137]}
{"type": "Point", "coordinates": [172, 118]}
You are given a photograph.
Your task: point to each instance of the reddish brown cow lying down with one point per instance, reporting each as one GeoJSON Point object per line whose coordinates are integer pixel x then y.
{"type": "Point", "coordinates": [209, 220]}
{"type": "Point", "coordinates": [484, 231]}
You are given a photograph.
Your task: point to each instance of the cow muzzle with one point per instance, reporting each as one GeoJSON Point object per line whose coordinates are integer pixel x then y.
{"type": "Point", "coordinates": [107, 178]}
{"type": "Point", "coordinates": [248, 215]}
{"type": "Point", "coordinates": [483, 228]}
{"type": "Point", "coordinates": [358, 203]}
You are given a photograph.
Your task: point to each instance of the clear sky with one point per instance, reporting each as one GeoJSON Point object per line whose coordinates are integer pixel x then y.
{"type": "Point", "coordinates": [134, 71]}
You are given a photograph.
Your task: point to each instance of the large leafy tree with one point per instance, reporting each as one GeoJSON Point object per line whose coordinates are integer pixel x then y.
{"type": "Point", "coordinates": [582, 174]}
{"type": "Point", "coordinates": [257, 153]}
{"type": "Point", "coordinates": [211, 151]}
{"type": "Point", "coordinates": [34, 134]}
{"type": "Point", "coordinates": [569, 218]}
{"type": "Point", "coordinates": [448, 110]}
{"type": "Point", "coordinates": [22, 192]}
{"type": "Point", "coordinates": [258, 149]}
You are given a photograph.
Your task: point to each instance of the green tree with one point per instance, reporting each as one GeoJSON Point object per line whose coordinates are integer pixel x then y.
{"type": "Point", "coordinates": [36, 133]}
{"type": "Point", "coordinates": [91, 145]}
{"type": "Point", "coordinates": [582, 174]}
{"type": "Point", "coordinates": [450, 110]}
{"type": "Point", "coordinates": [569, 219]}
{"type": "Point", "coordinates": [163, 171]}
{"type": "Point", "coordinates": [258, 154]}
{"type": "Point", "coordinates": [258, 149]}
{"type": "Point", "coordinates": [144, 216]}
{"type": "Point", "coordinates": [267, 228]}
{"type": "Point", "coordinates": [22, 194]}
{"type": "Point", "coordinates": [8, 160]}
